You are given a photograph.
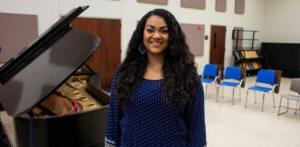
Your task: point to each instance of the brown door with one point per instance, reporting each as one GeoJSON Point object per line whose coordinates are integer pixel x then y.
{"type": "Point", "coordinates": [107, 57]}
{"type": "Point", "coordinates": [217, 45]}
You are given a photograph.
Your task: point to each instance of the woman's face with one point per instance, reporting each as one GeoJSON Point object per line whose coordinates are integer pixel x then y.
{"type": "Point", "coordinates": [156, 35]}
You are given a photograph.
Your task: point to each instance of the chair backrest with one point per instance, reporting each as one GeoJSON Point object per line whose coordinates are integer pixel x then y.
{"type": "Point", "coordinates": [210, 71]}
{"type": "Point", "coordinates": [266, 76]}
{"type": "Point", "coordinates": [295, 85]}
{"type": "Point", "coordinates": [233, 72]}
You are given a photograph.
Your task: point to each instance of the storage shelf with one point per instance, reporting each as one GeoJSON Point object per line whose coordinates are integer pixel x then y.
{"type": "Point", "coordinates": [248, 58]}
{"type": "Point", "coordinates": [248, 30]}
{"type": "Point", "coordinates": [252, 69]}
{"type": "Point", "coordinates": [246, 39]}
{"type": "Point", "coordinates": [252, 58]}
{"type": "Point", "coordinates": [248, 49]}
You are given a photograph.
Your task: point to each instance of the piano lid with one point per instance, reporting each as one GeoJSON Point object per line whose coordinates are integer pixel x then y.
{"type": "Point", "coordinates": [34, 49]}
{"type": "Point", "coordinates": [31, 76]}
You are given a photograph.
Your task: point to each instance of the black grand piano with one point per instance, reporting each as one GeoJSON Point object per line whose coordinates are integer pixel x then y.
{"type": "Point", "coordinates": [50, 93]}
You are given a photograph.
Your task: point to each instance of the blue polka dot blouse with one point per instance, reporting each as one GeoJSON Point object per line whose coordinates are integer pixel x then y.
{"type": "Point", "coordinates": [148, 121]}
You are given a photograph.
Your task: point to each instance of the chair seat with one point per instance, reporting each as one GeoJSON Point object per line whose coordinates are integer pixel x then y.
{"type": "Point", "coordinates": [231, 84]}
{"type": "Point", "coordinates": [292, 97]}
{"type": "Point", "coordinates": [259, 88]}
{"type": "Point", "coordinates": [206, 80]}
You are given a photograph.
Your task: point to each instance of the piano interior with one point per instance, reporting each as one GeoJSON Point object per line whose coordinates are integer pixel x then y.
{"type": "Point", "coordinates": [72, 96]}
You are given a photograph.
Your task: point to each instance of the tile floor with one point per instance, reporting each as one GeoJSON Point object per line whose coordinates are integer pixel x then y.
{"type": "Point", "coordinates": [234, 126]}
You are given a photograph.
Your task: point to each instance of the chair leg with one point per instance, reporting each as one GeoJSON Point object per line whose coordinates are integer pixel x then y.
{"type": "Point", "coordinates": [288, 105]}
{"type": "Point", "coordinates": [246, 98]}
{"type": "Point", "coordinates": [218, 91]}
{"type": "Point", "coordinates": [273, 100]}
{"type": "Point", "coordinates": [206, 89]}
{"type": "Point", "coordinates": [240, 94]}
{"type": "Point", "coordinates": [296, 108]}
{"type": "Point", "coordinates": [279, 106]}
{"type": "Point", "coordinates": [279, 110]}
{"type": "Point", "coordinates": [263, 101]}
{"type": "Point", "coordinates": [232, 96]}
{"type": "Point", "coordinates": [254, 97]}
{"type": "Point", "coordinates": [299, 107]}
{"type": "Point", "coordinates": [223, 92]}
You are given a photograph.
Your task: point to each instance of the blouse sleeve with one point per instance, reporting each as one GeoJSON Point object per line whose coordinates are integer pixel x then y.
{"type": "Point", "coordinates": [112, 133]}
{"type": "Point", "coordinates": [196, 120]}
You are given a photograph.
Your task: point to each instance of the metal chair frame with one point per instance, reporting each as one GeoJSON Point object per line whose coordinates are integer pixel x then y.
{"type": "Point", "coordinates": [288, 98]}
{"type": "Point", "coordinates": [295, 86]}
{"type": "Point", "coordinates": [239, 86]}
{"type": "Point", "coordinates": [272, 91]}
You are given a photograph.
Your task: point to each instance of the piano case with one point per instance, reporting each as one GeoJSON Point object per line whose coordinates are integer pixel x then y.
{"type": "Point", "coordinates": [36, 73]}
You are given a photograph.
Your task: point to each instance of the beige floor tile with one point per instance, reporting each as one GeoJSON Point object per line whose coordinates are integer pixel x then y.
{"type": "Point", "coordinates": [235, 126]}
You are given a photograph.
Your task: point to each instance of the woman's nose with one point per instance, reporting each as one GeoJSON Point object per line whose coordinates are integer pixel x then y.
{"type": "Point", "coordinates": [156, 35]}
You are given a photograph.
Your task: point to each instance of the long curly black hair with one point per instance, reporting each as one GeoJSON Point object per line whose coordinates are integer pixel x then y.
{"type": "Point", "coordinates": [180, 75]}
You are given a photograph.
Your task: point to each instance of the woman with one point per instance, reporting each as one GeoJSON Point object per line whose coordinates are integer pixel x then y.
{"type": "Point", "coordinates": [156, 97]}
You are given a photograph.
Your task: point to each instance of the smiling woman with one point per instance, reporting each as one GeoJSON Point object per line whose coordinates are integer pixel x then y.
{"type": "Point", "coordinates": [156, 97]}
{"type": "Point", "coordinates": [156, 35]}
{"type": "Point", "coordinates": [155, 41]}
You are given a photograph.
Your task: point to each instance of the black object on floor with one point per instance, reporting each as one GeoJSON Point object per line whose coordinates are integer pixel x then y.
{"type": "Point", "coordinates": [282, 56]}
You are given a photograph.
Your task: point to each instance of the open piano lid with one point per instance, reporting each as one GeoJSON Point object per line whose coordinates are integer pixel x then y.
{"type": "Point", "coordinates": [45, 64]}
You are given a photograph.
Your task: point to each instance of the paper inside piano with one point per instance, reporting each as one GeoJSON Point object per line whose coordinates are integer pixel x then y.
{"type": "Point", "coordinates": [52, 102]}
{"type": "Point", "coordinates": [75, 95]}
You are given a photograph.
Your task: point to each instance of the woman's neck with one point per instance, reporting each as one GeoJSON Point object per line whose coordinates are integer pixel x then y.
{"type": "Point", "coordinates": [154, 68]}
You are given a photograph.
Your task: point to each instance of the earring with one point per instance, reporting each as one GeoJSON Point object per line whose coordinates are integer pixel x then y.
{"type": "Point", "coordinates": [142, 49]}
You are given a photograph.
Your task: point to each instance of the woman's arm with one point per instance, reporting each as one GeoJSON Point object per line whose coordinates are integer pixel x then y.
{"type": "Point", "coordinates": [112, 135]}
{"type": "Point", "coordinates": [196, 120]}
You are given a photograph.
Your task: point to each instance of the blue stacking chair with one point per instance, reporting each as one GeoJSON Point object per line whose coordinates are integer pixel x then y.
{"type": "Point", "coordinates": [265, 83]}
{"type": "Point", "coordinates": [233, 77]}
{"type": "Point", "coordinates": [210, 75]}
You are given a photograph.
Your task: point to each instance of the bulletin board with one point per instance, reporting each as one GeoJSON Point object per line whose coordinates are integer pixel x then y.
{"type": "Point", "coordinates": [161, 2]}
{"type": "Point", "coordinates": [221, 5]}
{"type": "Point", "coordinates": [16, 32]}
{"type": "Point", "coordinates": [239, 6]}
{"type": "Point", "coordinates": [195, 37]}
{"type": "Point", "coordinates": [197, 4]}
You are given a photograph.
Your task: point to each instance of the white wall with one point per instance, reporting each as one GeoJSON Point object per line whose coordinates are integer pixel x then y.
{"type": "Point", "coordinates": [129, 11]}
{"type": "Point", "coordinates": [282, 21]}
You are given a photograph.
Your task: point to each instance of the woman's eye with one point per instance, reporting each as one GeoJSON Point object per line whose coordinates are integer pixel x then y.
{"type": "Point", "coordinates": [165, 31]}
{"type": "Point", "coordinates": [150, 30]}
